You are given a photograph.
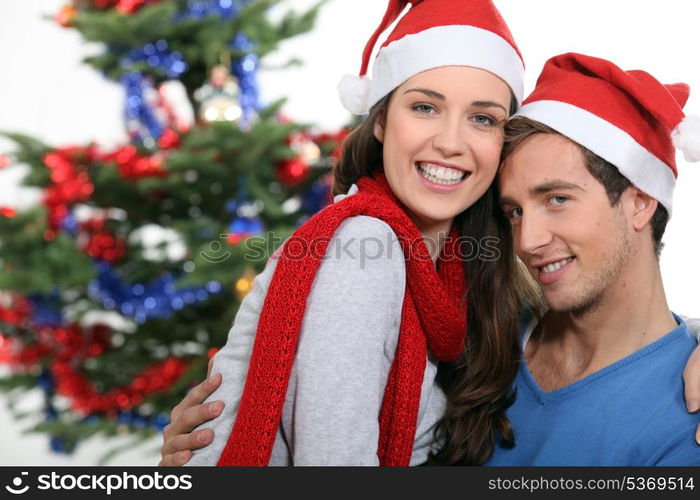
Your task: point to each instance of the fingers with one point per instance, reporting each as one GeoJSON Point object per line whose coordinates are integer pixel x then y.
{"type": "Point", "coordinates": [211, 363]}
{"type": "Point", "coordinates": [691, 377]}
{"type": "Point", "coordinates": [185, 439]}
{"type": "Point", "coordinates": [188, 442]}
{"type": "Point", "coordinates": [176, 459]}
{"type": "Point", "coordinates": [196, 416]}
{"type": "Point", "coordinates": [195, 397]}
{"type": "Point", "coordinates": [178, 449]}
{"type": "Point", "coordinates": [178, 439]}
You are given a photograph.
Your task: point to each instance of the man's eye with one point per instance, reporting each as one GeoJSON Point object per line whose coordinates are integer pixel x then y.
{"type": "Point", "coordinates": [558, 200]}
{"type": "Point", "coordinates": [514, 213]}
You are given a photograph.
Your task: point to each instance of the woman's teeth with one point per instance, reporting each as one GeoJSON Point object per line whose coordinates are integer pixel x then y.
{"type": "Point", "coordinates": [441, 175]}
{"type": "Point", "coordinates": [555, 266]}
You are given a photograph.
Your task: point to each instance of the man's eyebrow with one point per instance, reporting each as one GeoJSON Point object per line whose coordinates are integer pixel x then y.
{"type": "Point", "coordinates": [545, 188]}
{"type": "Point", "coordinates": [428, 92]}
{"type": "Point", "coordinates": [557, 185]}
{"type": "Point", "coordinates": [507, 200]}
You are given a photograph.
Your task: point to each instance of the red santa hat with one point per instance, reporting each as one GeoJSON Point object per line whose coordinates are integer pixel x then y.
{"type": "Point", "coordinates": [434, 33]}
{"type": "Point", "coordinates": [628, 118]}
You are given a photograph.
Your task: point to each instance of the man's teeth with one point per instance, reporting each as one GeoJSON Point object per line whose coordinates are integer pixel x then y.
{"type": "Point", "coordinates": [554, 266]}
{"type": "Point", "coordinates": [441, 175]}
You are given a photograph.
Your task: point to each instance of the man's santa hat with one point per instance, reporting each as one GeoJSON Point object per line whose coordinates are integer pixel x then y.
{"type": "Point", "coordinates": [628, 118]}
{"type": "Point", "coordinates": [434, 33]}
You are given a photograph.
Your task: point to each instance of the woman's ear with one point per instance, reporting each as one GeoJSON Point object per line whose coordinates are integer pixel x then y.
{"type": "Point", "coordinates": [379, 129]}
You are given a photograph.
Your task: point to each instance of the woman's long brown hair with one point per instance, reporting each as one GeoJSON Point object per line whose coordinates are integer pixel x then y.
{"type": "Point", "coordinates": [479, 386]}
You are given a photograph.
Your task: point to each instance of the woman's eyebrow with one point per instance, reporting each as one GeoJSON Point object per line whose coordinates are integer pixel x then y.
{"type": "Point", "coordinates": [428, 92]}
{"type": "Point", "coordinates": [489, 104]}
{"type": "Point", "coordinates": [438, 95]}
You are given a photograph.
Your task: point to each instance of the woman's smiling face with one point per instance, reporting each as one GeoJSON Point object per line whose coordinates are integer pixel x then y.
{"type": "Point", "coordinates": [442, 138]}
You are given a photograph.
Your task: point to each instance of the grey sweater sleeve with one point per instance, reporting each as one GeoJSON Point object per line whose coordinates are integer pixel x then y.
{"type": "Point", "coordinates": [693, 326]}
{"type": "Point", "coordinates": [232, 362]}
{"type": "Point", "coordinates": [347, 344]}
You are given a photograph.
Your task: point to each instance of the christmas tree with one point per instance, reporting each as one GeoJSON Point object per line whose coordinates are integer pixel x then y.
{"type": "Point", "coordinates": [118, 287]}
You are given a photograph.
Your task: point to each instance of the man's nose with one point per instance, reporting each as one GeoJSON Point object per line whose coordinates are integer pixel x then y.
{"type": "Point", "coordinates": [532, 234]}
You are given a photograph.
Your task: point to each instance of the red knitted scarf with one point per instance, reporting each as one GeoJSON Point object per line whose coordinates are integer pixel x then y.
{"type": "Point", "coordinates": [433, 317]}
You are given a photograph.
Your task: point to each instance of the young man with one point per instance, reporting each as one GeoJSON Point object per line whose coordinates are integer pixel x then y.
{"type": "Point", "coordinates": [587, 181]}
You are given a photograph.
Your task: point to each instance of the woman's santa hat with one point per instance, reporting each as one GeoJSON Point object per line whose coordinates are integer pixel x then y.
{"type": "Point", "coordinates": [434, 33]}
{"type": "Point", "coordinates": [628, 118]}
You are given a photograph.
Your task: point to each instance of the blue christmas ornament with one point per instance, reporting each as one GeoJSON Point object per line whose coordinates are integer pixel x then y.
{"type": "Point", "coordinates": [316, 198]}
{"type": "Point", "coordinates": [144, 301]}
{"type": "Point", "coordinates": [157, 56]}
{"type": "Point", "coordinates": [125, 418]}
{"type": "Point", "coordinates": [143, 125]}
{"type": "Point", "coordinates": [160, 421]}
{"type": "Point", "coordinates": [46, 310]}
{"type": "Point", "coordinates": [139, 422]}
{"type": "Point", "coordinates": [70, 224]}
{"type": "Point", "coordinates": [225, 9]}
{"type": "Point", "coordinates": [245, 70]}
{"type": "Point", "coordinates": [248, 226]}
{"type": "Point", "coordinates": [45, 382]}
{"type": "Point", "coordinates": [58, 445]}
{"type": "Point", "coordinates": [141, 121]}
{"type": "Point", "coordinates": [92, 419]}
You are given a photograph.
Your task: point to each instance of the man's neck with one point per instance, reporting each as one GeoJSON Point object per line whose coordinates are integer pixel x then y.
{"type": "Point", "coordinates": [633, 313]}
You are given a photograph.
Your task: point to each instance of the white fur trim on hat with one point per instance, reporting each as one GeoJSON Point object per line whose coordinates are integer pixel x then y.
{"type": "Point", "coordinates": [686, 137]}
{"type": "Point", "coordinates": [354, 93]}
{"type": "Point", "coordinates": [455, 45]}
{"type": "Point", "coordinates": [611, 143]}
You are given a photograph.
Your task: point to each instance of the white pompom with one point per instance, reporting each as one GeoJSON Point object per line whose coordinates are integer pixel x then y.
{"type": "Point", "coordinates": [686, 137]}
{"type": "Point", "coordinates": [354, 93]}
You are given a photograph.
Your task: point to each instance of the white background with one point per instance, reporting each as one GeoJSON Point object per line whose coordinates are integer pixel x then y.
{"type": "Point", "coordinates": [46, 92]}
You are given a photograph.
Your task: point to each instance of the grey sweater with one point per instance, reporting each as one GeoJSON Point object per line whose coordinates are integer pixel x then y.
{"type": "Point", "coordinates": [346, 348]}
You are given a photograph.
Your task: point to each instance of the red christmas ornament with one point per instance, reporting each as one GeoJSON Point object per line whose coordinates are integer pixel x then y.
{"type": "Point", "coordinates": [130, 6]}
{"type": "Point", "coordinates": [65, 16]}
{"type": "Point", "coordinates": [337, 138]}
{"type": "Point", "coordinates": [8, 212]}
{"type": "Point", "coordinates": [70, 183]}
{"type": "Point", "coordinates": [96, 4]}
{"type": "Point", "coordinates": [4, 161]}
{"type": "Point", "coordinates": [133, 165]}
{"type": "Point", "coordinates": [169, 139]}
{"type": "Point", "coordinates": [292, 172]}
{"type": "Point", "coordinates": [100, 243]}
{"type": "Point", "coordinates": [85, 398]}
{"type": "Point", "coordinates": [17, 313]}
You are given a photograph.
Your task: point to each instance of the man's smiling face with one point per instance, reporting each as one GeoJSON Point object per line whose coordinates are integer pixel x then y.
{"type": "Point", "coordinates": [573, 242]}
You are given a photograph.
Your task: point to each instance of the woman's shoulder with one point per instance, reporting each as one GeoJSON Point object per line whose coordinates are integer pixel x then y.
{"type": "Point", "coordinates": [368, 246]}
{"type": "Point", "coordinates": [365, 226]}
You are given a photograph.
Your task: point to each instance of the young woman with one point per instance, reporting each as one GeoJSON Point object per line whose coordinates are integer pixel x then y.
{"type": "Point", "coordinates": [333, 357]}
{"type": "Point", "coordinates": [334, 354]}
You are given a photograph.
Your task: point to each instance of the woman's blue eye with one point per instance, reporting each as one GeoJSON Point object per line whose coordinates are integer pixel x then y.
{"type": "Point", "coordinates": [423, 108]}
{"type": "Point", "coordinates": [484, 120]}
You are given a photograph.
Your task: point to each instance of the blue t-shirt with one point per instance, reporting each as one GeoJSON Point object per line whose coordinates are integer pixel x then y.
{"type": "Point", "coordinates": [630, 413]}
